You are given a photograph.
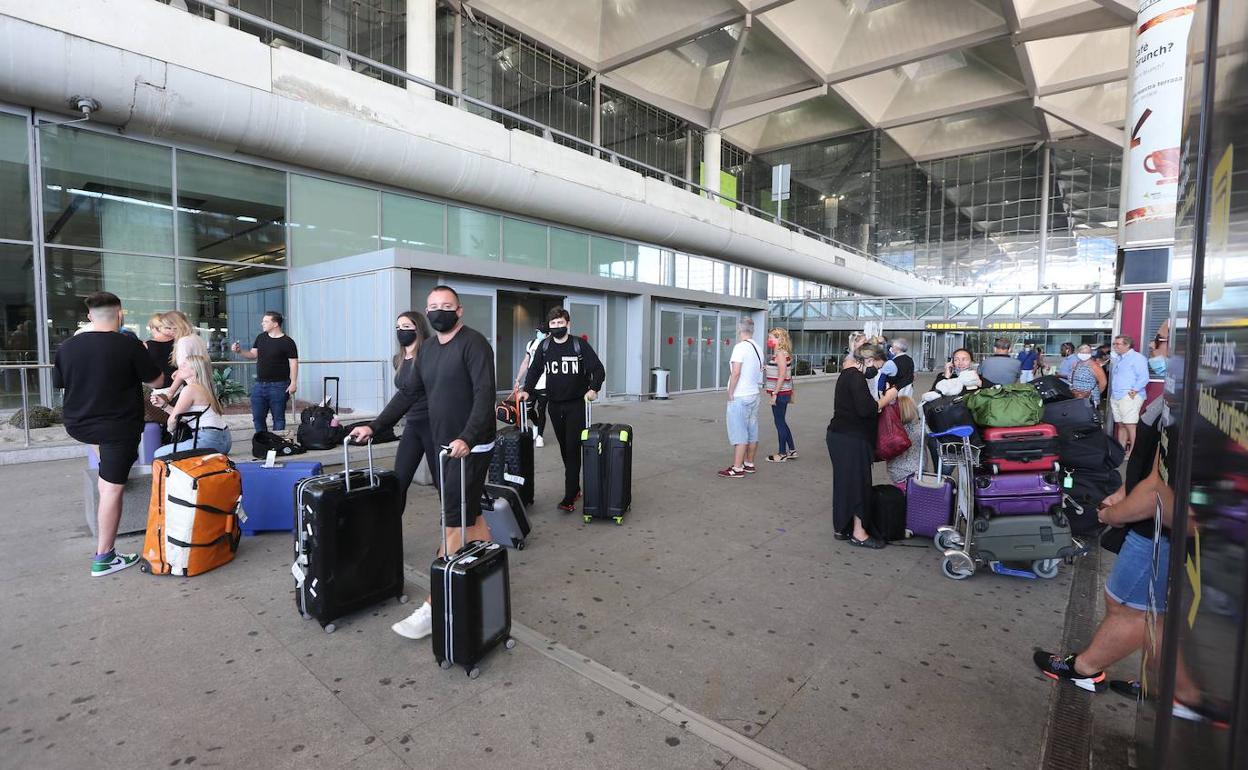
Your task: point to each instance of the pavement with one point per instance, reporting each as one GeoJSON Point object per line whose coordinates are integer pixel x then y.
{"type": "Point", "coordinates": [719, 626]}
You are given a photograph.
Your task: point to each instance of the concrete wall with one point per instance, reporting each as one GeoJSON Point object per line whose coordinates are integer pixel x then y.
{"type": "Point", "coordinates": [164, 73]}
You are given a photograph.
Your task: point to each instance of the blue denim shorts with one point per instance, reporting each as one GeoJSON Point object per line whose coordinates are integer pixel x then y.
{"type": "Point", "coordinates": [1132, 575]}
{"type": "Point", "coordinates": [743, 421]}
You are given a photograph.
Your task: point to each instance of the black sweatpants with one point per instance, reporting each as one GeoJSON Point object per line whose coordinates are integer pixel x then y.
{"type": "Point", "coordinates": [415, 443]}
{"type": "Point", "coordinates": [567, 418]}
{"type": "Point", "coordinates": [539, 411]}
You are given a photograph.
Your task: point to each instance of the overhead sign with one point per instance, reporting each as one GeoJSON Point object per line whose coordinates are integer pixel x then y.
{"type": "Point", "coordinates": [780, 181]}
{"type": "Point", "coordinates": [1155, 119]}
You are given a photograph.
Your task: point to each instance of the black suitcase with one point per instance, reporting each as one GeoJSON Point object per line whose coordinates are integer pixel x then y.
{"type": "Point", "coordinates": [1090, 449]}
{"type": "Point", "coordinates": [1052, 388]}
{"type": "Point", "coordinates": [512, 462]}
{"type": "Point", "coordinates": [593, 482]}
{"type": "Point", "coordinates": [607, 470]}
{"type": "Point", "coordinates": [471, 597]}
{"type": "Point", "coordinates": [348, 541]}
{"type": "Point", "coordinates": [505, 514]}
{"type": "Point", "coordinates": [1075, 413]}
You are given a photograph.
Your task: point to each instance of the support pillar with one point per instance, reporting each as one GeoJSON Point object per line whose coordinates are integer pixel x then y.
{"type": "Point", "coordinates": [711, 144]}
{"type": "Point", "coordinates": [422, 32]}
{"type": "Point", "coordinates": [1046, 195]}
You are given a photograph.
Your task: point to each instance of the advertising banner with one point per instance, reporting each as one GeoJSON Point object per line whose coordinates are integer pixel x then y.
{"type": "Point", "coordinates": [1155, 120]}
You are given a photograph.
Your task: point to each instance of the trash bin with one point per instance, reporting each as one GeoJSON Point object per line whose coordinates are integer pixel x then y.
{"type": "Point", "coordinates": [658, 381]}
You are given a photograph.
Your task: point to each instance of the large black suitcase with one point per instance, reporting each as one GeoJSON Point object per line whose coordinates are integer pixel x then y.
{"type": "Point", "coordinates": [512, 462]}
{"type": "Point", "coordinates": [471, 597]}
{"type": "Point", "coordinates": [607, 468]}
{"type": "Point", "coordinates": [1075, 413]}
{"type": "Point", "coordinates": [348, 541]}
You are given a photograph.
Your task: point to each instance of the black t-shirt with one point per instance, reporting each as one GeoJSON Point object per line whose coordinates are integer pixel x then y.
{"type": "Point", "coordinates": [103, 375]}
{"type": "Point", "coordinates": [161, 354]}
{"type": "Point", "coordinates": [272, 357]}
{"type": "Point", "coordinates": [457, 379]}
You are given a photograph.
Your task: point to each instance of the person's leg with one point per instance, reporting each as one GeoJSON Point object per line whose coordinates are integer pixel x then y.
{"type": "Point", "coordinates": [108, 515]}
{"type": "Point", "coordinates": [277, 405]}
{"type": "Point", "coordinates": [751, 429]}
{"type": "Point", "coordinates": [539, 413]}
{"type": "Point", "coordinates": [1119, 634]}
{"type": "Point", "coordinates": [574, 425]}
{"type": "Point", "coordinates": [737, 436]}
{"type": "Point", "coordinates": [842, 521]}
{"type": "Point", "coordinates": [559, 412]}
{"type": "Point", "coordinates": [407, 459]}
{"type": "Point", "coordinates": [116, 458]}
{"type": "Point", "coordinates": [259, 407]}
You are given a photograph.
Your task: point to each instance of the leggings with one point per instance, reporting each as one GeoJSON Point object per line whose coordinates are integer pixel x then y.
{"type": "Point", "coordinates": [415, 443]}
{"type": "Point", "coordinates": [778, 412]}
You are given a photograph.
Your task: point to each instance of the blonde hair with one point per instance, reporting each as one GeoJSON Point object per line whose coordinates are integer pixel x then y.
{"type": "Point", "coordinates": [784, 343]}
{"type": "Point", "coordinates": [906, 407]}
{"type": "Point", "coordinates": [157, 320]}
{"type": "Point", "coordinates": [177, 320]}
{"type": "Point", "coordinates": [201, 368]}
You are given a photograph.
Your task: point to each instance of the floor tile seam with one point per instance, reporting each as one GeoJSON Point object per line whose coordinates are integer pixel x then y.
{"type": "Point", "coordinates": [715, 734]}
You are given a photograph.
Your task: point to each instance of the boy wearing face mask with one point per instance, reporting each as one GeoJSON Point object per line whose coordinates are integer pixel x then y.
{"type": "Point", "coordinates": [573, 375]}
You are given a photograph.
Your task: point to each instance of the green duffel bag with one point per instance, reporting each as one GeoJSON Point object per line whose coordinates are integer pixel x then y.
{"type": "Point", "coordinates": [1006, 406]}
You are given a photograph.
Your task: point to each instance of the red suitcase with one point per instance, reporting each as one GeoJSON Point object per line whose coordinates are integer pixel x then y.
{"type": "Point", "coordinates": [1009, 450]}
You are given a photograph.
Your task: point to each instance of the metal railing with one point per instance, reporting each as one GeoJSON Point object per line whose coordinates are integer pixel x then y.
{"type": "Point", "coordinates": [21, 369]}
{"type": "Point", "coordinates": [975, 311]}
{"type": "Point", "coordinates": [549, 133]}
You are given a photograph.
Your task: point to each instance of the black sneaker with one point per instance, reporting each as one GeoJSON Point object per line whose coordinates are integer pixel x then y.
{"type": "Point", "coordinates": [1063, 669]}
{"type": "Point", "coordinates": [1127, 688]}
{"type": "Point", "coordinates": [1203, 712]}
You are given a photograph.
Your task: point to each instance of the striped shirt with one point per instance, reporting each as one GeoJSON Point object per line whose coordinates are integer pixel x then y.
{"type": "Point", "coordinates": [773, 376]}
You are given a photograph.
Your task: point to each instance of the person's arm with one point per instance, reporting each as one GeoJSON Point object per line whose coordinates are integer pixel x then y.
{"type": "Point", "coordinates": [146, 370]}
{"type": "Point", "coordinates": [294, 375]}
{"type": "Point", "coordinates": [1101, 380]}
{"type": "Point", "coordinates": [864, 404]}
{"type": "Point", "coordinates": [1141, 374]}
{"type": "Point", "coordinates": [524, 369]}
{"type": "Point", "coordinates": [398, 405]}
{"type": "Point", "coordinates": [597, 372]}
{"type": "Point", "coordinates": [735, 366]}
{"type": "Point", "coordinates": [183, 405]}
{"type": "Point", "coordinates": [1141, 504]}
{"type": "Point", "coordinates": [889, 397]}
{"type": "Point", "coordinates": [533, 372]}
{"type": "Point", "coordinates": [479, 358]}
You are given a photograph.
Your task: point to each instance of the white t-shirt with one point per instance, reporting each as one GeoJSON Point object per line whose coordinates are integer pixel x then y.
{"type": "Point", "coordinates": [531, 351]}
{"type": "Point", "coordinates": [750, 357]}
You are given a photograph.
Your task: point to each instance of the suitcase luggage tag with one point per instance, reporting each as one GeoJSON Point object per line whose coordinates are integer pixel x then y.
{"type": "Point", "coordinates": [1069, 481]}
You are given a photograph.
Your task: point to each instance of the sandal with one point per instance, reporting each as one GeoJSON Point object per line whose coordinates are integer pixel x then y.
{"type": "Point", "coordinates": [777, 458]}
{"type": "Point", "coordinates": [869, 542]}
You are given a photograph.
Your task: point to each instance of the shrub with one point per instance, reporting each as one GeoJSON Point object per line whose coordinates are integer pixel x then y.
{"type": "Point", "coordinates": [40, 417]}
{"type": "Point", "coordinates": [228, 390]}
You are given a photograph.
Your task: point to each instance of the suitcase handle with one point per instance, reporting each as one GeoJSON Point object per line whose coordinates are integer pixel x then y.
{"type": "Point", "coordinates": [337, 391]}
{"type": "Point", "coordinates": [193, 416]}
{"type": "Point", "coordinates": [346, 463]}
{"type": "Point", "coordinates": [588, 412]}
{"type": "Point", "coordinates": [463, 498]}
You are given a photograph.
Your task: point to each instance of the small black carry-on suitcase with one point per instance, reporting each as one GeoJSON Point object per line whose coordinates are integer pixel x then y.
{"type": "Point", "coordinates": [348, 541]}
{"type": "Point", "coordinates": [512, 462]}
{"type": "Point", "coordinates": [504, 513]}
{"type": "Point", "coordinates": [607, 469]}
{"type": "Point", "coordinates": [471, 592]}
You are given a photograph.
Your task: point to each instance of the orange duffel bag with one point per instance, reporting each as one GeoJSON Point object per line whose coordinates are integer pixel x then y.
{"type": "Point", "coordinates": [192, 520]}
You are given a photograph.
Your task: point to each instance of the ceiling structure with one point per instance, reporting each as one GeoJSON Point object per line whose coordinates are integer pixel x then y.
{"type": "Point", "coordinates": [940, 77]}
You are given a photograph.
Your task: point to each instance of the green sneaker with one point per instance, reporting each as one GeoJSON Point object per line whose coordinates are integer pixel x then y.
{"type": "Point", "coordinates": [116, 564]}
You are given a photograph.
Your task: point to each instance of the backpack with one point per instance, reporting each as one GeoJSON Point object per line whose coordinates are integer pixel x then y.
{"type": "Point", "coordinates": [1006, 406]}
{"type": "Point", "coordinates": [1089, 449]}
{"type": "Point", "coordinates": [888, 513]}
{"type": "Point", "coordinates": [576, 346]}
{"type": "Point", "coordinates": [1052, 388]}
{"type": "Point", "coordinates": [265, 440]}
{"type": "Point", "coordinates": [1086, 491]}
{"type": "Point", "coordinates": [319, 428]}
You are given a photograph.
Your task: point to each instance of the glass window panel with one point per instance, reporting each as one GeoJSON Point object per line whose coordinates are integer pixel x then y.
{"type": "Point", "coordinates": [702, 274]}
{"type": "Point", "coordinates": [652, 264]}
{"type": "Point", "coordinates": [618, 334]}
{"type": "Point", "coordinates": [610, 258]}
{"type": "Point", "coordinates": [230, 211]}
{"type": "Point", "coordinates": [329, 220]}
{"type": "Point", "coordinates": [14, 179]}
{"type": "Point", "coordinates": [17, 324]}
{"type": "Point", "coordinates": [471, 233]}
{"type": "Point", "coordinates": [670, 346]}
{"type": "Point", "coordinates": [145, 285]}
{"type": "Point", "coordinates": [106, 192]}
{"type": "Point", "coordinates": [524, 243]}
{"type": "Point", "coordinates": [569, 251]}
{"type": "Point", "coordinates": [225, 302]}
{"type": "Point", "coordinates": [413, 223]}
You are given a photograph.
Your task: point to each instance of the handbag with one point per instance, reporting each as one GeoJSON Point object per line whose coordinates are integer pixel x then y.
{"type": "Point", "coordinates": [508, 410]}
{"type": "Point", "coordinates": [891, 439]}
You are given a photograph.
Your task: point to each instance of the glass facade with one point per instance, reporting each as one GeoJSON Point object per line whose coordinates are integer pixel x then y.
{"type": "Point", "coordinates": [230, 211]}
{"type": "Point", "coordinates": [14, 179]}
{"type": "Point", "coordinates": [330, 220]}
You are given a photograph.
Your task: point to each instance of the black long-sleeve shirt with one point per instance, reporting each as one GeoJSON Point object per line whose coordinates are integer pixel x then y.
{"type": "Point", "coordinates": [457, 381]}
{"type": "Point", "coordinates": [568, 375]}
{"type": "Point", "coordinates": [404, 402]}
{"type": "Point", "coordinates": [854, 411]}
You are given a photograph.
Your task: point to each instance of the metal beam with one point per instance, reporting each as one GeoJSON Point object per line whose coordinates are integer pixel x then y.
{"type": "Point", "coordinates": [808, 64]}
{"type": "Point", "coordinates": [1081, 122]}
{"type": "Point", "coordinates": [918, 54]}
{"type": "Point", "coordinates": [1124, 9]}
{"type": "Point", "coordinates": [730, 73]}
{"type": "Point", "coordinates": [694, 115]}
{"type": "Point", "coordinates": [670, 40]}
{"type": "Point", "coordinates": [955, 109]}
{"type": "Point", "coordinates": [1014, 20]}
{"type": "Point", "coordinates": [735, 115]}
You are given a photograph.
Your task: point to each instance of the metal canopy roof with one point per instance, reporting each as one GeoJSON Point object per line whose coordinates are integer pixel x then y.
{"type": "Point", "coordinates": [941, 77]}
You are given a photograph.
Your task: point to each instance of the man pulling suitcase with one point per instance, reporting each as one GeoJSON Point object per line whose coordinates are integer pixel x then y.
{"type": "Point", "coordinates": [573, 375]}
{"type": "Point", "coordinates": [457, 377]}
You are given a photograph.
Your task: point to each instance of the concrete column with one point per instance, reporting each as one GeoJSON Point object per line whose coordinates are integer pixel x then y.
{"type": "Point", "coordinates": [711, 142]}
{"type": "Point", "coordinates": [1046, 181]}
{"type": "Point", "coordinates": [422, 30]}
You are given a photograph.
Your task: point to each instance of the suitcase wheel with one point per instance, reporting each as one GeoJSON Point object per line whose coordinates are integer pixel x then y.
{"type": "Point", "coordinates": [330, 628]}
{"type": "Point", "coordinates": [444, 664]}
{"type": "Point", "coordinates": [519, 544]}
{"type": "Point", "coordinates": [474, 672]}
{"type": "Point", "coordinates": [618, 519]}
{"type": "Point", "coordinates": [402, 598]}
{"type": "Point", "coordinates": [510, 643]}
{"type": "Point", "coordinates": [588, 518]}
{"type": "Point", "coordinates": [144, 567]}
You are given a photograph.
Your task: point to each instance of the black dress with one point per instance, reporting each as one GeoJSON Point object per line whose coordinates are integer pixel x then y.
{"type": "Point", "coordinates": [851, 447]}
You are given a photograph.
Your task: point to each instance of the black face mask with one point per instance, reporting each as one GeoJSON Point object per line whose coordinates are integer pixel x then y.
{"type": "Point", "coordinates": [559, 332]}
{"type": "Point", "coordinates": [442, 320]}
{"type": "Point", "coordinates": [870, 372]}
{"type": "Point", "coordinates": [406, 336]}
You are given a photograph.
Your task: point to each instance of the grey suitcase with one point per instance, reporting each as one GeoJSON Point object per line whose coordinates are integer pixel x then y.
{"type": "Point", "coordinates": [504, 513]}
{"type": "Point", "coordinates": [1024, 538]}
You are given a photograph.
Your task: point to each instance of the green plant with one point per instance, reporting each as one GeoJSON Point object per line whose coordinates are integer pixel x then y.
{"type": "Point", "coordinates": [40, 417]}
{"type": "Point", "coordinates": [802, 368]}
{"type": "Point", "coordinates": [228, 390]}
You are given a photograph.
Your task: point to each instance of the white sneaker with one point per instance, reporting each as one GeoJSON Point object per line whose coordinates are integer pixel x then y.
{"type": "Point", "coordinates": [538, 442]}
{"type": "Point", "coordinates": [418, 625]}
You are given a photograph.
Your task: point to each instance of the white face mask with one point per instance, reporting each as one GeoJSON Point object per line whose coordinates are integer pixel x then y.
{"type": "Point", "coordinates": [1084, 356]}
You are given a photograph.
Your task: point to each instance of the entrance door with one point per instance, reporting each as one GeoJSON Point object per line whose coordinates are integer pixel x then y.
{"type": "Point", "coordinates": [708, 350]}
{"type": "Point", "coordinates": [689, 352]}
{"type": "Point", "coordinates": [588, 313]}
{"type": "Point", "coordinates": [480, 309]}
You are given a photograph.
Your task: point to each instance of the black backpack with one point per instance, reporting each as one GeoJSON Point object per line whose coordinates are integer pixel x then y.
{"type": "Point", "coordinates": [265, 440]}
{"type": "Point", "coordinates": [318, 424]}
{"type": "Point", "coordinates": [888, 513]}
{"type": "Point", "coordinates": [1075, 413]}
{"type": "Point", "coordinates": [1088, 489]}
{"type": "Point", "coordinates": [1052, 388]}
{"type": "Point", "coordinates": [576, 345]}
{"type": "Point", "coordinates": [1089, 449]}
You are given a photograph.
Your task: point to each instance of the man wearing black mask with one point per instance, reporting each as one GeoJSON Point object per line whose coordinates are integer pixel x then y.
{"type": "Point", "coordinates": [574, 375]}
{"type": "Point", "coordinates": [456, 376]}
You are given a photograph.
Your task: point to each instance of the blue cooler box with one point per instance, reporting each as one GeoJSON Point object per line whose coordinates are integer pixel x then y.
{"type": "Point", "coordinates": [269, 494]}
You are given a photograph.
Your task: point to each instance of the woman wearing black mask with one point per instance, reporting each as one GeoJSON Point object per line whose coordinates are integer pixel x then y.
{"type": "Point", "coordinates": [411, 330]}
{"type": "Point", "coordinates": [851, 446]}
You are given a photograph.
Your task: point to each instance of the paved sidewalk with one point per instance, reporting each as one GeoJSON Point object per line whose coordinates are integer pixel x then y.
{"type": "Point", "coordinates": [727, 597]}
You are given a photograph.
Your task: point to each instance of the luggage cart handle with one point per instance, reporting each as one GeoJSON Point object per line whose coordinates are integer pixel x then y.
{"type": "Point", "coordinates": [463, 498]}
{"type": "Point", "coordinates": [346, 462]}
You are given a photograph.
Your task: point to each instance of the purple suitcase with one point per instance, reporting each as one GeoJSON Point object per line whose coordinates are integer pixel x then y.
{"type": "Point", "coordinates": [929, 499]}
{"type": "Point", "coordinates": [1018, 494]}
